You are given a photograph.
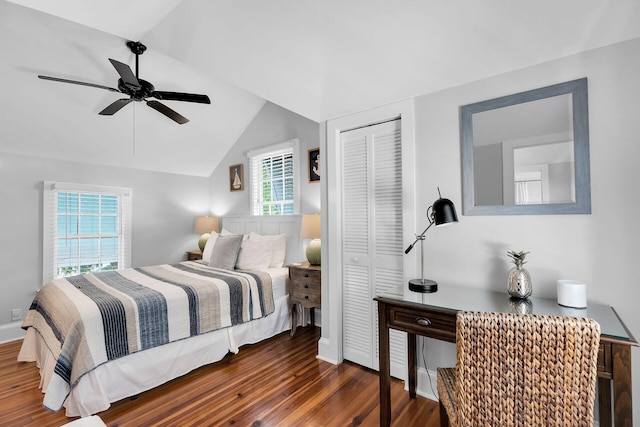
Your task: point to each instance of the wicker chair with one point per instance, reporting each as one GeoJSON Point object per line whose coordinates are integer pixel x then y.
{"type": "Point", "coordinates": [520, 370]}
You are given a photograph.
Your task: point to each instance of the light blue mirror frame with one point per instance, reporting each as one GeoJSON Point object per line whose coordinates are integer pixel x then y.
{"type": "Point", "coordinates": [582, 205]}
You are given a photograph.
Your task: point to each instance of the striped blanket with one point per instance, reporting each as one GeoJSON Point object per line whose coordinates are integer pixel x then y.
{"type": "Point", "coordinates": [89, 319]}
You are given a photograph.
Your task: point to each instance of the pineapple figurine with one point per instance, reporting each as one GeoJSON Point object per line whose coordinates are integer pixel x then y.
{"type": "Point", "coordinates": [519, 284]}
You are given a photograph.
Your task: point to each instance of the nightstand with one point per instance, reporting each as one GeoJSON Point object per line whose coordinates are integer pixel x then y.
{"type": "Point", "coordinates": [304, 289]}
{"type": "Point", "coordinates": [194, 255]}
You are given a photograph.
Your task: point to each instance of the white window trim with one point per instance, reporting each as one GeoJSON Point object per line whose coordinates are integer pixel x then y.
{"type": "Point", "coordinates": [49, 227]}
{"type": "Point", "coordinates": [294, 145]}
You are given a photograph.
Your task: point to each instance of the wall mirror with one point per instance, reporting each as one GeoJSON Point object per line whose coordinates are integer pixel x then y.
{"type": "Point", "coordinates": [527, 153]}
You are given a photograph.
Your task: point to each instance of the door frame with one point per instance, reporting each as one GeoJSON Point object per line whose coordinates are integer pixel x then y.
{"type": "Point", "coordinates": [330, 344]}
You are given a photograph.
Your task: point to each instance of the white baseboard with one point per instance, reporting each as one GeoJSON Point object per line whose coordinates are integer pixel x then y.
{"type": "Point", "coordinates": [324, 348]}
{"type": "Point", "coordinates": [424, 388]}
{"type": "Point", "coordinates": [11, 332]}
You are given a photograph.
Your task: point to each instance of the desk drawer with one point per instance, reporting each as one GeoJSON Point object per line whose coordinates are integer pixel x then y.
{"type": "Point", "coordinates": [605, 366]}
{"type": "Point", "coordinates": [433, 324]}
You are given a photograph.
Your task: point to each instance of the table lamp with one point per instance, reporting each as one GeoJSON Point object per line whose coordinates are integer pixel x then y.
{"type": "Point", "coordinates": [441, 212]}
{"type": "Point", "coordinates": [205, 225]}
{"type": "Point", "coordinates": [311, 230]}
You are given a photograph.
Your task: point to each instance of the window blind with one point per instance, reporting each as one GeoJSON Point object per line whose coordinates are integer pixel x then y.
{"type": "Point", "coordinates": [274, 179]}
{"type": "Point", "coordinates": [85, 228]}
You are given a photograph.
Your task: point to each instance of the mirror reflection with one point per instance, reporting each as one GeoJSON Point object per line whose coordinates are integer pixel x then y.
{"type": "Point", "coordinates": [527, 153]}
{"type": "Point", "coordinates": [523, 154]}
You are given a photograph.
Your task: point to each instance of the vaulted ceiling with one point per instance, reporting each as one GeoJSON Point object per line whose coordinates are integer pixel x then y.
{"type": "Point", "coordinates": [318, 58]}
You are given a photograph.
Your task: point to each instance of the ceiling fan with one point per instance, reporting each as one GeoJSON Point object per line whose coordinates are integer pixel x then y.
{"type": "Point", "coordinates": [138, 89]}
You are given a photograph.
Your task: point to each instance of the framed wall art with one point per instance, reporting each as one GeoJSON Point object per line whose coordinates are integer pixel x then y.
{"type": "Point", "coordinates": [236, 177]}
{"type": "Point", "coordinates": [314, 165]}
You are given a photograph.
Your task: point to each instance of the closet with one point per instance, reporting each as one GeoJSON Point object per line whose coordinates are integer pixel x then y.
{"type": "Point", "coordinates": [372, 239]}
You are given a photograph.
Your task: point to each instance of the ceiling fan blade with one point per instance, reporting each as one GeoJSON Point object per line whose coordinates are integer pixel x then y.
{"type": "Point", "coordinates": [126, 74]}
{"type": "Point", "coordinates": [115, 107]}
{"type": "Point", "coordinates": [167, 112]}
{"type": "Point", "coordinates": [75, 82]}
{"type": "Point", "coordinates": [180, 96]}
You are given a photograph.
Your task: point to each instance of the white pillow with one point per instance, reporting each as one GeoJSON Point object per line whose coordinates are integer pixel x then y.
{"type": "Point", "coordinates": [206, 254]}
{"type": "Point", "coordinates": [278, 248]}
{"type": "Point", "coordinates": [254, 255]}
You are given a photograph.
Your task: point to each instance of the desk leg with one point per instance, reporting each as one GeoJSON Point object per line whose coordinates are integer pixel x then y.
{"type": "Point", "coordinates": [622, 402]}
{"type": "Point", "coordinates": [412, 360]}
{"type": "Point", "coordinates": [385, 370]}
{"type": "Point", "coordinates": [604, 401]}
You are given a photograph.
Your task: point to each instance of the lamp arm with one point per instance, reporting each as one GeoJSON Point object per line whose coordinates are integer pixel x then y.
{"type": "Point", "coordinates": [419, 237]}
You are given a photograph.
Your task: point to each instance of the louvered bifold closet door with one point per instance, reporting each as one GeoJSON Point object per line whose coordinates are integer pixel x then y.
{"type": "Point", "coordinates": [372, 238]}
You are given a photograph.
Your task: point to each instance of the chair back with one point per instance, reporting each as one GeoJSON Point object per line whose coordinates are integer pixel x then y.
{"type": "Point", "coordinates": [525, 370]}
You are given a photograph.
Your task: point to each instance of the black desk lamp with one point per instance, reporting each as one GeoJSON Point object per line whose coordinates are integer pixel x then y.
{"type": "Point", "coordinates": [442, 212]}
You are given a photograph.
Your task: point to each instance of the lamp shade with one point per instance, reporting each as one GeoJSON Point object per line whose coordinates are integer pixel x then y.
{"type": "Point", "coordinates": [206, 224]}
{"type": "Point", "coordinates": [444, 212]}
{"type": "Point", "coordinates": [310, 226]}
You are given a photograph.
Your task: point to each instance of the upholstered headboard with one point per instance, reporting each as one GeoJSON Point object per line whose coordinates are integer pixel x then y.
{"type": "Point", "coordinates": [268, 225]}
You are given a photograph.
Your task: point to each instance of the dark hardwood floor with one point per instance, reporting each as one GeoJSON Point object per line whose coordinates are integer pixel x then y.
{"type": "Point", "coordinates": [278, 382]}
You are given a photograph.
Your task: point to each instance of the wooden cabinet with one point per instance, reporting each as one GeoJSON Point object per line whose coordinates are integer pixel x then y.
{"type": "Point", "coordinates": [304, 287]}
{"type": "Point", "coordinates": [194, 255]}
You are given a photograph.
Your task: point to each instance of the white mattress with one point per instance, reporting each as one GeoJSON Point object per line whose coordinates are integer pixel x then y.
{"type": "Point", "coordinates": [133, 374]}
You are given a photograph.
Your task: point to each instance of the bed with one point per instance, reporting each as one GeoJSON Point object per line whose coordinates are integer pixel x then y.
{"type": "Point", "coordinates": [180, 316]}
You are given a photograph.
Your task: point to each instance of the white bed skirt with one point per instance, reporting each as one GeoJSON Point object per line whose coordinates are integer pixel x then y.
{"type": "Point", "coordinates": [133, 374]}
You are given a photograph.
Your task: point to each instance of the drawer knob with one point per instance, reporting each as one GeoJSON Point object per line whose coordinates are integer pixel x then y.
{"type": "Point", "coordinates": [306, 275]}
{"type": "Point", "coordinates": [306, 286]}
{"type": "Point", "coordinates": [306, 297]}
{"type": "Point", "coordinates": [424, 322]}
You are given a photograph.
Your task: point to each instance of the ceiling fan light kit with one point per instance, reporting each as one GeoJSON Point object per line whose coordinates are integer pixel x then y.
{"type": "Point", "coordinates": [139, 90]}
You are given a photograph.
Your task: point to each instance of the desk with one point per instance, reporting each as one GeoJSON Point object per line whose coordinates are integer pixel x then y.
{"type": "Point", "coordinates": [434, 316]}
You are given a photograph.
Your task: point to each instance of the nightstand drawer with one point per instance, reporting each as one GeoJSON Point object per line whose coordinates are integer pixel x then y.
{"type": "Point", "coordinates": [431, 324]}
{"type": "Point", "coordinates": [306, 297]}
{"type": "Point", "coordinates": [305, 276]}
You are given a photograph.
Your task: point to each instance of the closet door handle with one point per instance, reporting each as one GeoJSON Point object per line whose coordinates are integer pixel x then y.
{"type": "Point", "coordinates": [423, 321]}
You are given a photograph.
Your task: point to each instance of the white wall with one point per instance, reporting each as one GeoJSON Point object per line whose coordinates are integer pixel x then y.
{"type": "Point", "coordinates": [164, 205]}
{"type": "Point", "coordinates": [271, 125]}
{"type": "Point", "coordinates": [600, 249]}
{"type": "Point", "coordinates": [164, 210]}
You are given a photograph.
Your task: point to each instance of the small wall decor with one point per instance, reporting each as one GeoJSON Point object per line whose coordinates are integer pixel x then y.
{"type": "Point", "coordinates": [314, 165]}
{"type": "Point", "coordinates": [236, 178]}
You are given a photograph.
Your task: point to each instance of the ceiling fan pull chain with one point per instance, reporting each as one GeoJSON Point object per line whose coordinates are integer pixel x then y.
{"type": "Point", "coordinates": [133, 126]}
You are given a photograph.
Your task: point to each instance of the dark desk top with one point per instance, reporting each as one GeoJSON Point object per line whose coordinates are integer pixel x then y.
{"type": "Point", "coordinates": [459, 298]}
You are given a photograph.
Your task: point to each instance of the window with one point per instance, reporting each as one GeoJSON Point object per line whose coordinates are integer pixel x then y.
{"type": "Point", "coordinates": [274, 179]}
{"type": "Point", "coordinates": [86, 228]}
